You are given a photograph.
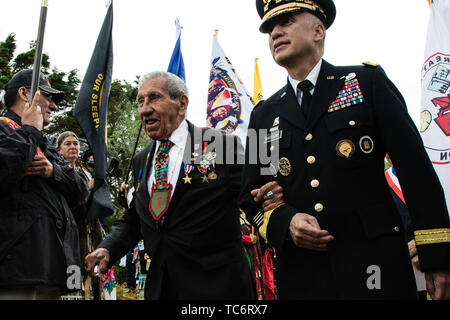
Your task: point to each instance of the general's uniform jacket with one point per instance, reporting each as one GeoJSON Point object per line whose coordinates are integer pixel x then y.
{"type": "Point", "coordinates": [331, 166]}
{"type": "Point", "coordinates": [199, 243]}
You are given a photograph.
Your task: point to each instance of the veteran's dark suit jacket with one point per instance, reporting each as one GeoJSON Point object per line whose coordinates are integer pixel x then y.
{"type": "Point", "coordinates": [368, 257]}
{"type": "Point", "coordinates": [199, 244]}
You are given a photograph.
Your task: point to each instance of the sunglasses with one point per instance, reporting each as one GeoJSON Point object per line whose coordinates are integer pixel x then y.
{"type": "Point", "coordinates": [48, 96]}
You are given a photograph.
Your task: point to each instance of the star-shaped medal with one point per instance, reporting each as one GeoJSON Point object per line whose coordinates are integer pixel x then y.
{"type": "Point", "coordinates": [205, 179]}
{"type": "Point", "coordinates": [187, 179]}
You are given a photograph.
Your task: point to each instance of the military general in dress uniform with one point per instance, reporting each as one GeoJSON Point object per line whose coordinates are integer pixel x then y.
{"type": "Point", "coordinates": [338, 234]}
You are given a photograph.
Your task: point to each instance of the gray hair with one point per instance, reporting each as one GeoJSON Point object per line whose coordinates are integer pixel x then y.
{"type": "Point", "coordinates": [175, 85]}
{"type": "Point", "coordinates": [62, 137]}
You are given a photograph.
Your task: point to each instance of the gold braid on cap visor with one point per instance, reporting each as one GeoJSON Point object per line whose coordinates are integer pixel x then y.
{"type": "Point", "coordinates": [289, 6]}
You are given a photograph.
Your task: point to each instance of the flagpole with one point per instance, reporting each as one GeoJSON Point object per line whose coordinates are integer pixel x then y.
{"type": "Point", "coordinates": [38, 52]}
{"type": "Point", "coordinates": [134, 152]}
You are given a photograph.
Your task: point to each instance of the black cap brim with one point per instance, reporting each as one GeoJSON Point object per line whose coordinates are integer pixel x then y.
{"type": "Point", "coordinates": [57, 95]}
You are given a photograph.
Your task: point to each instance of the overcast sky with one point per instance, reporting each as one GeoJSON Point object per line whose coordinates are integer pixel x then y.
{"type": "Point", "coordinates": [391, 33]}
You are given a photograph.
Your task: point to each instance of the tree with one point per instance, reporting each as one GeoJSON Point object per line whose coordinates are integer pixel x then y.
{"type": "Point", "coordinates": [123, 121]}
{"type": "Point", "coordinates": [7, 49]}
{"type": "Point", "coordinates": [123, 128]}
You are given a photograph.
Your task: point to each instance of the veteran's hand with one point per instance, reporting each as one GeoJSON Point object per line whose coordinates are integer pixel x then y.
{"type": "Point", "coordinates": [306, 233]}
{"type": "Point", "coordinates": [438, 284]}
{"type": "Point", "coordinates": [32, 116]}
{"type": "Point", "coordinates": [100, 258]}
{"type": "Point", "coordinates": [40, 167]}
{"type": "Point", "coordinates": [261, 194]}
{"type": "Point", "coordinates": [123, 187]}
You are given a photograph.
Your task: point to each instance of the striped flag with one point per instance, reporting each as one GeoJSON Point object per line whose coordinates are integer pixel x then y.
{"type": "Point", "coordinates": [435, 104]}
{"type": "Point", "coordinates": [91, 110]}
{"type": "Point", "coordinates": [391, 177]}
{"type": "Point", "coordinates": [229, 104]}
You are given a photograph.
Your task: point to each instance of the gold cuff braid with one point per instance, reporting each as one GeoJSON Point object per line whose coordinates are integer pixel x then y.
{"type": "Point", "coordinates": [432, 236]}
{"type": "Point", "coordinates": [263, 227]}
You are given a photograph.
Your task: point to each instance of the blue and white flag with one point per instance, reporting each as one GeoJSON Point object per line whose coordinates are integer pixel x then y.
{"type": "Point", "coordinates": [176, 64]}
{"type": "Point", "coordinates": [229, 104]}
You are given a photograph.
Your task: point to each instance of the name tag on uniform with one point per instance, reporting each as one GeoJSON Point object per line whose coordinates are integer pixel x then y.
{"type": "Point", "coordinates": [273, 136]}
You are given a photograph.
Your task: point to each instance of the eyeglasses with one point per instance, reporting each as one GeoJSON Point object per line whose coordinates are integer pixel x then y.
{"type": "Point", "coordinates": [48, 96]}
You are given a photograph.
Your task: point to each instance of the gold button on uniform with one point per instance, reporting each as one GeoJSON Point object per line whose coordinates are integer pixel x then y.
{"type": "Point", "coordinates": [311, 159]}
{"type": "Point", "coordinates": [308, 137]}
{"type": "Point", "coordinates": [318, 207]}
{"type": "Point", "coordinates": [315, 183]}
{"type": "Point", "coordinates": [352, 123]}
{"type": "Point", "coordinates": [396, 229]}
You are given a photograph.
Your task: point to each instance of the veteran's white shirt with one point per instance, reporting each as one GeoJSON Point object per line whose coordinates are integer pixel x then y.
{"type": "Point", "coordinates": [178, 138]}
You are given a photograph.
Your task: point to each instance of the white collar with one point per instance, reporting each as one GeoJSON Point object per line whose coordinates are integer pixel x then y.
{"type": "Point", "coordinates": [178, 136]}
{"type": "Point", "coordinates": [312, 76]}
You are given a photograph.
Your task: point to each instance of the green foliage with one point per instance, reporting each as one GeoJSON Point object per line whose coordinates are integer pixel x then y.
{"type": "Point", "coordinates": [123, 120]}
{"type": "Point", "coordinates": [7, 49]}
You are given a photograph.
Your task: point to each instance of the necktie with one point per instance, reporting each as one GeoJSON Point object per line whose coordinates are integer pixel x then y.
{"type": "Point", "coordinates": [162, 161]}
{"type": "Point", "coordinates": [161, 189]}
{"type": "Point", "coordinates": [305, 86]}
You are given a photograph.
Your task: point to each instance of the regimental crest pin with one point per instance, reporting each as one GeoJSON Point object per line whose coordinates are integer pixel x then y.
{"type": "Point", "coordinates": [366, 144]}
{"type": "Point", "coordinates": [284, 166]}
{"type": "Point", "coordinates": [345, 148]}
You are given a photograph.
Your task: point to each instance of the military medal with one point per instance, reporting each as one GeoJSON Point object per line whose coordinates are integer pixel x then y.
{"type": "Point", "coordinates": [284, 166]}
{"type": "Point", "coordinates": [366, 144]}
{"type": "Point", "coordinates": [345, 148]}
{"type": "Point", "coordinates": [188, 169]}
{"type": "Point", "coordinates": [212, 175]}
{"type": "Point", "coordinates": [159, 199]}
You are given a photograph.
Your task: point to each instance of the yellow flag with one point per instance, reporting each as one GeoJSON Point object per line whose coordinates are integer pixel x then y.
{"type": "Point", "coordinates": [257, 88]}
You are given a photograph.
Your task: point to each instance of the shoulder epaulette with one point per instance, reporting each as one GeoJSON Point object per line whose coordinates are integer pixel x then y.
{"type": "Point", "coordinates": [370, 64]}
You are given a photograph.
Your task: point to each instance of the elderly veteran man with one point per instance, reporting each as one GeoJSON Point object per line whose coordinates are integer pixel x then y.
{"type": "Point", "coordinates": [38, 236]}
{"type": "Point", "coordinates": [185, 203]}
{"type": "Point", "coordinates": [339, 235]}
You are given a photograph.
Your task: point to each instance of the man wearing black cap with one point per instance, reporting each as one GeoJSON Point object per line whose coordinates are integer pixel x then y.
{"type": "Point", "coordinates": [338, 235]}
{"type": "Point", "coordinates": [39, 249]}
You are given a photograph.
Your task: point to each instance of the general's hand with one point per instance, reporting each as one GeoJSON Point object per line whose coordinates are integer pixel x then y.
{"type": "Point", "coordinates": [261, 194]}
{"type": "Point", "coordinates": [40, 167]}
{"type": "Point", "coordinates": [413, 254]}
{"type": "Point", "coordinates": [306, 233]}
{"type": "Point", "coordinates": [99, 257]}
{"type": "Point", "coordinates": [32, 116]}
{"type": "Point", "coordinates": [438, 284]}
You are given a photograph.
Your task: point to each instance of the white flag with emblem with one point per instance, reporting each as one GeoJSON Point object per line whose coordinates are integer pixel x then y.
{"type": "Point", "coordinates": [435, 104]}
{"type": "Point", "coordinates": [229, 104]}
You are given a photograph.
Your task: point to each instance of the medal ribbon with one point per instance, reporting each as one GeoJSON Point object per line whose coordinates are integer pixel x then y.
{"type": "Point", "coordinates": [188, 169]}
